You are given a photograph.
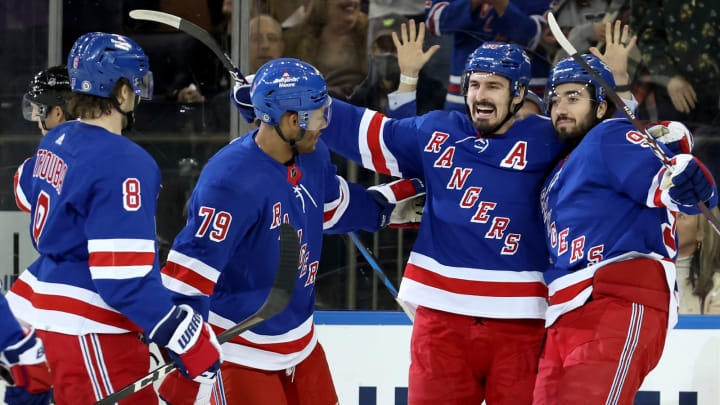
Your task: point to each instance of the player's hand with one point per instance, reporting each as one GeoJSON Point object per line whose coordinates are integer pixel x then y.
{"type": "Point", "coordinates": [191, 343]}
{"type": "Point", "coordinates": [27, 363]}
{"type": "Point", "coordinates": [397, 199]}
{"type": "Point", "coordinates": [682, 94]}
{"type": "Point", "coordinates": [618, 45]}
{"type": "Point", "coordinates": [240, 97]}
{"type": "Point", "coordinates": [692, 181]}
{"type": "Point", "coordinates": [411, 57]}
{"type": "Point", "coordinates": [673, 134]}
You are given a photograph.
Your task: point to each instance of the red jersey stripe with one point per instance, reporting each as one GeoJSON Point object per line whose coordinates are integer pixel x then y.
{"type": "Point", "coordinates": [189, 277]}
{"type": "Point", "coordinates": [472, 287]}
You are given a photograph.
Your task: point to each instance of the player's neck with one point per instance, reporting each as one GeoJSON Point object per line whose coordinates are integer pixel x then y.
{"type": "Point", "coordinates": [270, 142]}
{"type": "Point", "coordinates": [111, 122]}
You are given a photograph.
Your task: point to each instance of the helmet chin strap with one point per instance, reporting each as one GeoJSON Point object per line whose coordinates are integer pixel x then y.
{"type": "Point", "coordinates": [129, 115]}
{"type": "Point", "coordinates": [292, 142]}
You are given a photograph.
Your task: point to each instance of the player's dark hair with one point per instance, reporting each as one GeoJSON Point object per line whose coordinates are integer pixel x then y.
{"type": "Point", "coordinates": [90, 106]}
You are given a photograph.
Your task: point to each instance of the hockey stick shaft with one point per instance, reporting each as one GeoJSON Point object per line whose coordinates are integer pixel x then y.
{"type": "Point", "coordinates": [654, 147]}
{"type": "Point", "coordinates": [380, 273]}
{"type": "Point", "coordinates": [278, 300]}
{"type": "Point", "coordinates": [194, 31]}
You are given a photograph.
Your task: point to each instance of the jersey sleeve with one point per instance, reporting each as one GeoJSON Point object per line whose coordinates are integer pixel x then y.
{"type": "Point", "coordinates": [374, 141]}
{"type": "Point", "coordinates": [10, 330]}
{"type": "Point", "coordinates": [219, 217]}
{"type": "Point", "coordinates": [22, 184]}
{"type": "Point", "coordinates": [347, 206]}
{"type": "Point", "coordinates": [446, 17]}
{"type": "Point", "coordinates": [519, 27]}
{"type": "Point", "coordinates": [634, 169]}
{"type": "Point", "coordinates": [120, 230]}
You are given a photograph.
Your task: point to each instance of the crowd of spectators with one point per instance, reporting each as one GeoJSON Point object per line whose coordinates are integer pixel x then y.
{"type": "Point", "coordinates": [675, 74]}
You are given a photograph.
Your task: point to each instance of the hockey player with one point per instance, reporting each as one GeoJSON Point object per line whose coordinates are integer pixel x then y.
{"type": "Point", "coordinates": [44, 103]}
{"type": "Point", "coordinates": [221, 262]}
{"type": "Point", "coordinates": [609, 211]}
{"type": "Point", "coordinates": [473, 22]}
{"type": "Point", "coordinates": [478, 286]}
{"type": "Point", "coordinates": [27, 369]}
{"type": "Point", "coordinates": [96, 285]}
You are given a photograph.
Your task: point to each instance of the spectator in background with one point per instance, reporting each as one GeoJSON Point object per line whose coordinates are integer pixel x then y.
{"type": "Point", "coordinates": [384, 72]}
{"type": "Point", "coordinates": [698, 265]}
{"type": "Point", "coordinates": [332, 38]}
{"type": "Point", "coordinates": [266, 41]}
{"type": "Point", "coordinates": [474, 22]}
{"type": "Point", "coordinates": [680, 47]}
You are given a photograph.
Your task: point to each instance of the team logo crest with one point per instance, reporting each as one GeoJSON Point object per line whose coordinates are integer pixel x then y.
{"type": "Point", "coordinates": [86, 86]}
{"type": "Point", "coordinates": [481, 144]}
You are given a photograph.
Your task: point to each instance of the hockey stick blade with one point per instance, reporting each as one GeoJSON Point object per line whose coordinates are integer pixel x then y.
{"type": "Point", "coordinates": [194, 31]}
{"type": "Point", "coordinates": [276, 302]}
{"type": "Point", "coordinates": [654, 147]}
{"type": "Point", "coordinates": [383, 277]}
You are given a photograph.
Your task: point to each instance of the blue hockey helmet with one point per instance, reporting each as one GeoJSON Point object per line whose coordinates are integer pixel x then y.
{"type": "Point", "coordinates": [288, 84]}
{"type": "Point", "coordinates": [569, 70]}
{"type": "Point", "coordinates": [507, 60]}
{"type": "Point", "coordinates": [98, 60]}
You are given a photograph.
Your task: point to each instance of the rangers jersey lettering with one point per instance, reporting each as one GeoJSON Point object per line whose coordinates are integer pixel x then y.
{"type": "Point", "coordinates": [477, 251]}
{"type": "Point", "coordinates": [223, 261]}
{"type": "Point", "coordinates": [601, 205]}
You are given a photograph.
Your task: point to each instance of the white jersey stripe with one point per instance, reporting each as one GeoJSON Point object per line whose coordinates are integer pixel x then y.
{"type": "Point", "coordinates": [121, 245]}
{"type": "Point", "coordinates": [342, 204]}
{"type": "Point", "coordinates": [363, 145]}
{"type": "Point", "coordinates": [472, 273]}
{"type": "Point", "coordinates": [390, 160]}
{"type": "Point", "coordinates": [119, 272]}
{"type": "Point", "coordinates": [492, 307]}
{"type": "Point", "coordinates": [265, 360]}
{"type": "Point", "coordinates": [195, 265]}
{"type": "Point", "coordinates": [178, 286]}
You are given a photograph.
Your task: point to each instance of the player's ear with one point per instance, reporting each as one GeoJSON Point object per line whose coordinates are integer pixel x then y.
{"type": "Point", "coordinates": [601, 110]}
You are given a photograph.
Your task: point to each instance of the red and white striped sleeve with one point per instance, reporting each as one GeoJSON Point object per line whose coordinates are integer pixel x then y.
{"type": "Point", "coordinates": [188, 276]}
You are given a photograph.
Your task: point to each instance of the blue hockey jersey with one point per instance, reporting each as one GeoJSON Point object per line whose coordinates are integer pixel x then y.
{"type": "Point", "coordinates": [10, 331]}
{"type": "Point", "coordinates": [223, 262]}
{"type": "Point", "coordinates": [478, 250]}
{"type": "Point", "coordinates": [92, 198]}
{"type": "Point", "coordinates": [520, 23]}
{"type": "Point", "coordinates": [601, 205]}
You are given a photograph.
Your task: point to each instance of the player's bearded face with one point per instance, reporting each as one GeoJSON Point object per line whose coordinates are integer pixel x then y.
{"type": "Point", "coordinates": [572, 112]}
{"type": "Point", "coordinates": [488, 99]}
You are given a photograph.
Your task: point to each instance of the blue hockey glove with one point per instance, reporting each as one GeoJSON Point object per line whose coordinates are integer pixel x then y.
{"type": "Point", "coordinates": [21, 396]}
{"type": "Point", "coordinates": [240, 96]}
{"type": "Point", "coordinates": [27, 364]}
{"type": "Point", "coordinates": [191, 343]}
{"type": "Point", "coordinates": [398, 200]}
{"type": "Point", "coordinates": [673, 134]}
{"type": "Point", "coordinates": [692, 181]}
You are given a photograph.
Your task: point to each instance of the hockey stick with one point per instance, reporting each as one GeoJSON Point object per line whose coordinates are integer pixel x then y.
{"type": "Point", "coordinates": [278, 300]}
{"type": "Point", "coordinates": [373, 263]}
{"type": "Point", "coordinates": [194, 31]}
{"type": "Point", "coordinates": [654, 147]}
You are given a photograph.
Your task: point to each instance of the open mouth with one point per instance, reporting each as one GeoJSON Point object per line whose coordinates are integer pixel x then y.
{"type": "Point", "coordinates": [349, 6]}
{"type": "Point", "coordinates": [483, 111]}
